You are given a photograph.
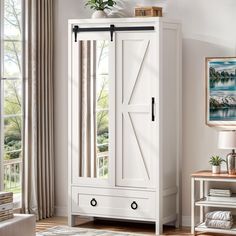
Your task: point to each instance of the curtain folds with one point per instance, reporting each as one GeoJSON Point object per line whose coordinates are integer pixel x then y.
{"type": "Point", "coordinates": [88, 109]}
{"type": "Point", "coordinates": [38, 174]}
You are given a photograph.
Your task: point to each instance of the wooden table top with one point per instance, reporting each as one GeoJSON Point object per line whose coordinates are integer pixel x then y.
{"type": "Point", "coordinates": [208, 174]}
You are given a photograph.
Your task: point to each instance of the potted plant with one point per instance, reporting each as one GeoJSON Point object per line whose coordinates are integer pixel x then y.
{"type": "Point", "coordinates": [216, 161]}
{"type": "Point", "coordinates": [99, 6]}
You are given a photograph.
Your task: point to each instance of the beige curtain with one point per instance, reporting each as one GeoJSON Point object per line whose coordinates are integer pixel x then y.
{"type": "Point", "coordinates": [38, 174]}
{"type": "Point", "coordinates": [88, 109]}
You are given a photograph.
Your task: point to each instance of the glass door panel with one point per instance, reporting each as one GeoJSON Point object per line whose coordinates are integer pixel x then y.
{"type": "Point", "coordinates": [94, 82]}
{"type": "Point", "coordinates": [102, 107]}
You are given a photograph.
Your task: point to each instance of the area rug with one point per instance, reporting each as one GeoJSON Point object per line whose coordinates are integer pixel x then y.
{"type": "Point", "coordinates": [69, 231]}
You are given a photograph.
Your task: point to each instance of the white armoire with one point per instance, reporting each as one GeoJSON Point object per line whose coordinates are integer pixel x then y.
{"type": "Point", "coordinates": [125, 119]}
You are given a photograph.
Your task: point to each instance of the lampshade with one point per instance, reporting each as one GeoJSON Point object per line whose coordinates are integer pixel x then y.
{"type": "Point", "coordinates": [227, 140]}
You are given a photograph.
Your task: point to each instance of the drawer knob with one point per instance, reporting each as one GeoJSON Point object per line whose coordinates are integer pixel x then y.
{"type": "Point", "coordinates": [134, 206]}
{"type": "Point", "coordinates": [93, 202]}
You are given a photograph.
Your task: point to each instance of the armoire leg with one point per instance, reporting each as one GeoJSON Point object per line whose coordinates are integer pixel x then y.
{"type": "Point", "coordinates": [71, 220]}
{"type": "Point", "coordinates": [159, 228]}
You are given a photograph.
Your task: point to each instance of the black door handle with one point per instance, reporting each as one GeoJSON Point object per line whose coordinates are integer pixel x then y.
{"type": "Point", "coordinates": [153, 107]}
{"type": "Point", "coordinates": [134, 205]}
{"type": "Point", "coordinates": [93, 202]}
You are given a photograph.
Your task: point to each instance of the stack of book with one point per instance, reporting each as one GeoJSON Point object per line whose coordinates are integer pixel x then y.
{"type": "Point", "coordinates": [6, 206]}
{"type": "Point", "coordinates": [221, 195]}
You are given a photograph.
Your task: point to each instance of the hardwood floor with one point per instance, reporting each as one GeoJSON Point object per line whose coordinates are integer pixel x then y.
{"type": "Point", "coordinates": [146, 229]}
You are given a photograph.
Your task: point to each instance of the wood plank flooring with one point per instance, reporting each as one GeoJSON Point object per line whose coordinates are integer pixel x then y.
{"type": "Point", "coordinates": [146, 229]}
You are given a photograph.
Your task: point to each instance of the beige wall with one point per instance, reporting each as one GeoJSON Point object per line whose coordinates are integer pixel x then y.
{"type": "Point", "coordinates": [208, 30]}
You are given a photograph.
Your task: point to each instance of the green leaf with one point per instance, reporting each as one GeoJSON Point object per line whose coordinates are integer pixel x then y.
{"type": "Point", "coordinates": [100, 4]}
{"type": "Point", "coordinates": [216, 160]}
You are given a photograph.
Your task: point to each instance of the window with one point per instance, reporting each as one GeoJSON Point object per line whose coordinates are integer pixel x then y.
{"type": "Point", "coordinates": [11, 101]}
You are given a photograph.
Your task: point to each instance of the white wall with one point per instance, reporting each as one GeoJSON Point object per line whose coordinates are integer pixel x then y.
{"type": "Point", "coordinates": [64, 9]}
{"type": "Point", "coordinates": [208, 30]}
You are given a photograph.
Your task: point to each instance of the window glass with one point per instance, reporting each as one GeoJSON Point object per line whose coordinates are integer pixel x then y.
{"type": "Point", "coordinates": [12, 59]}
{"type": "Point", "coordinates": [11, 103]}
{"type": "Point", "coordinates": [12, 24]}
{"type": "Point", "coordinates": [12, 97]}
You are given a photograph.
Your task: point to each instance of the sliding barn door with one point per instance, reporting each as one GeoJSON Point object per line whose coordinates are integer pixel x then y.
{"type": "Point", "coordinates": [92, 109]}
{"type": "Point", "coordinates": [136, 104]}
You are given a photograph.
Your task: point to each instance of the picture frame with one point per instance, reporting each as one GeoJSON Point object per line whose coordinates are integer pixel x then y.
{"type": "Point", "coordinates": [220, 91]}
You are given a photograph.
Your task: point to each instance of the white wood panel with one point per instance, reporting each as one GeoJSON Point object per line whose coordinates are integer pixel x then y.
{"type": "Point", "coordinates": [136, 85]}
{"type": "Point", "coordinates": [113, 203]}
{"type": "Point", "coordinates": [171, 111]}
{"type": "Point", "coordinates": [169, 100]}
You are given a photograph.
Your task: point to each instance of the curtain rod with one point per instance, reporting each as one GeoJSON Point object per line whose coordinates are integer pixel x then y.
{"type": "Point", "coordinates": [111, 29]}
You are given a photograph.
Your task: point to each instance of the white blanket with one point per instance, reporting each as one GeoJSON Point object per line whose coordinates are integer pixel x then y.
{"type": "Point", "coordinates": [219, 224]}
{"type": "Point", "coordinates": [219, 215]}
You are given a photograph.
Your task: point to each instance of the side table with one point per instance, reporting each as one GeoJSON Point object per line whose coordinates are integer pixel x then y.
{"type": "Point", "coordinates": [203, 177]}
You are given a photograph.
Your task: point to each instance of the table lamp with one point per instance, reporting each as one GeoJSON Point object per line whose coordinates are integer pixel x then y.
{"type": "Point", "coordinates": [227, 140]}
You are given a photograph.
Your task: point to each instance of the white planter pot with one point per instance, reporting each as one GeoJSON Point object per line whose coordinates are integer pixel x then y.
{"type": "Point", "coordinates": [215, 169]}
{"type": "Point", "coordinates": [99, 14]}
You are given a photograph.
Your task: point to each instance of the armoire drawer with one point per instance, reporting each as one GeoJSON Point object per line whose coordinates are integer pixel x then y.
{"type": "Point", "coordinates": [117, 203]}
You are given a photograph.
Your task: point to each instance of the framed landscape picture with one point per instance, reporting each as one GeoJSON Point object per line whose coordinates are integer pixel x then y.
{"type": "Point", "coordinates": [221, 91]}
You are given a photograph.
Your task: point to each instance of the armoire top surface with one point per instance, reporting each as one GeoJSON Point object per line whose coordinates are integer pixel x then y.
{"type": "Point", "coordinates": [123, 20]}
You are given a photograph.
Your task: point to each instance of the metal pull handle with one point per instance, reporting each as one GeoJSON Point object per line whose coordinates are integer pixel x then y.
{"type": "Point", "coordinates": [93, 202]}
{"type": "Point", "coordinates": [134, 205]}
{"type": "Point", "coordinates": [153, 107]}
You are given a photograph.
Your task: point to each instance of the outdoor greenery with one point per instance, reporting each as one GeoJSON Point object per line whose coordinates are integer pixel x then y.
{"type": "Point", "coordinates": [100, 5]}
{"type": "Point", "coordinates": [103, 167]}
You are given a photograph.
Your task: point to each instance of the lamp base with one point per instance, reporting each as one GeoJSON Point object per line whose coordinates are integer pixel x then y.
{"type": "Point", "coordinates": [231, 163]}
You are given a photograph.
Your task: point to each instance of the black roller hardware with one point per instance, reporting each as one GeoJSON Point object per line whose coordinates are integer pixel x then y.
{"type": "Point", "coordinates": [76, 29]}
